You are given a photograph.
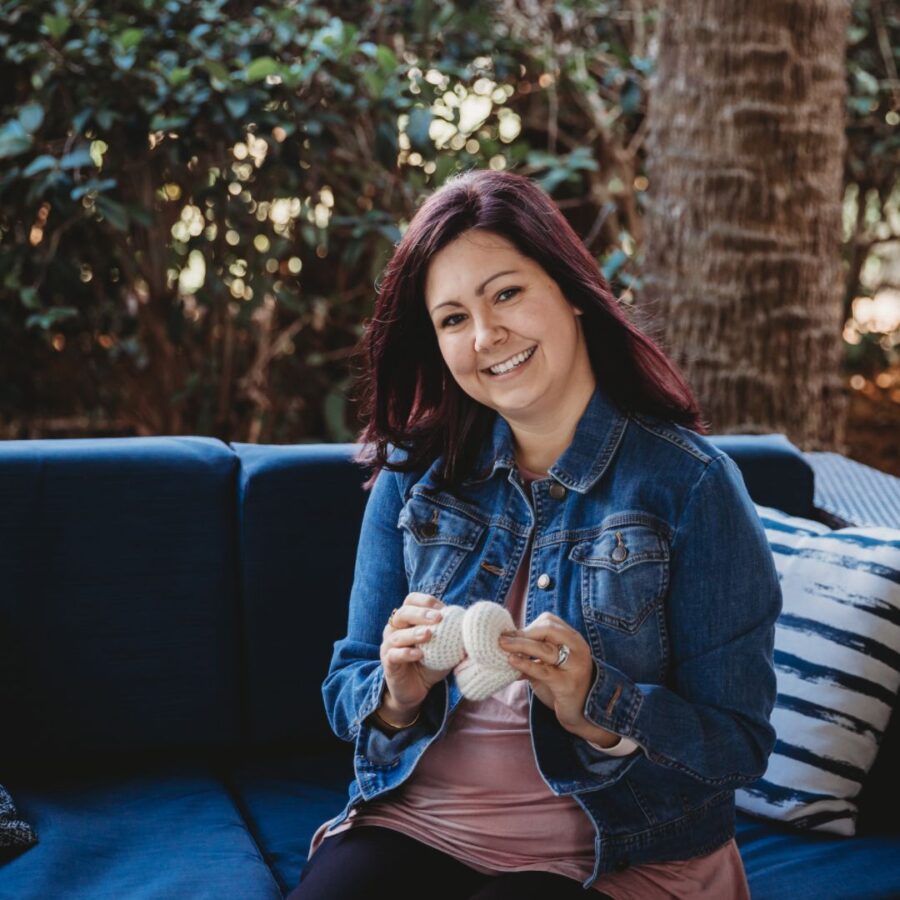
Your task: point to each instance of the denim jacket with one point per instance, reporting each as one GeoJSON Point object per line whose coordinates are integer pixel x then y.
{"type": "Point", "coordinates": [645, 540]}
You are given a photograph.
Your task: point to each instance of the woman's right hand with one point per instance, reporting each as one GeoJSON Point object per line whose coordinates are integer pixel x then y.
{"type": "Point", "coordinates": [407, 680]}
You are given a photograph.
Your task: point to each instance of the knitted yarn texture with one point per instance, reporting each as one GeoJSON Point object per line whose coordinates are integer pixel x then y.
{"type": "Point", "coordinates": [474, 631]}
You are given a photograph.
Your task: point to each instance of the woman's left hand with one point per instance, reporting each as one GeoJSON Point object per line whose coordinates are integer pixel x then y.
{"type": "Point", "coordinates": [564, 689]}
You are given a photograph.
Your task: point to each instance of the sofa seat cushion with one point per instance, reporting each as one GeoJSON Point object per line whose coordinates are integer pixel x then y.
{"type": "Point", "coordinates": [174, 833]}
{"type": "Point", "coordinates": [782, 862]}
{"type": "Point", "coordinates": [283, 801]}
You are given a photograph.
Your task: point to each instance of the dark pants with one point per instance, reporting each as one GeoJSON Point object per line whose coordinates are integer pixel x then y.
{"type": "Point", "coordinates": [367, 860]}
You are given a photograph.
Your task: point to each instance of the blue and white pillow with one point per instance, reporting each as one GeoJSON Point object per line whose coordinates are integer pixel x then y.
{"type": "Point", "coordinates": [837, 662]}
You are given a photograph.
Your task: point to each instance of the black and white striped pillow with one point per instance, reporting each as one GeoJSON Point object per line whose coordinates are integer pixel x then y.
{"type": "Point", "coordinates": [837, 662]}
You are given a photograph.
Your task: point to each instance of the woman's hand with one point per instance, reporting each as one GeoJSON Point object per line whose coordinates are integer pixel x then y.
{"type": "Point", "coordinates": [563, 689]}
{"type": "Point", "coordinates": [407, 680]}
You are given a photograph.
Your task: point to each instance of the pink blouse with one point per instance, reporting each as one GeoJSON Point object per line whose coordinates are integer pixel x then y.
{"type": "Point", "coordinates": [478, 795]}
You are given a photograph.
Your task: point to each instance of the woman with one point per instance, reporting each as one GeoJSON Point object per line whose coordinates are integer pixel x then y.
{"type": "Point", "coordinates": [535, 448]}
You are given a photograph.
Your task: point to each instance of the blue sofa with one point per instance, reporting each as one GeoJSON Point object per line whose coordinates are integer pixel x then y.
{"type": "Point", "coordinates": [167, 612]}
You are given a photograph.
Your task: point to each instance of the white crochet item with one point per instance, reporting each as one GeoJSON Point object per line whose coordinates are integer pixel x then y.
{"type": "Point", "coordinates": [474, 631]}
{"type": "Point", "coordinates": [445, 648]}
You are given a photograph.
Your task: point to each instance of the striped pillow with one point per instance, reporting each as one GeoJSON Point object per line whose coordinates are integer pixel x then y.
{"type": "Point", "coordinates": [837, 662]}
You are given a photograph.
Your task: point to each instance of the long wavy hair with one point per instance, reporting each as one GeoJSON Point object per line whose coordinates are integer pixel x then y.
{"type": "Point", "coordinates": [409, 399]}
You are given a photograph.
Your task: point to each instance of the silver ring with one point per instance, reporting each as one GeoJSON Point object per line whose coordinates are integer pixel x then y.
{"type": "Point", "coordinates": [563, 655]}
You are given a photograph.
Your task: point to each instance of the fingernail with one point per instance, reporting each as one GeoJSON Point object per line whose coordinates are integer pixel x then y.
{"type": "Point", "coordinates": [431, 614]}
{"type": "Point", "coordinates": [421, 631]}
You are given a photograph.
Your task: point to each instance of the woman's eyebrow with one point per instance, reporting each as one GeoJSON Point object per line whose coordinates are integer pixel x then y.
{"type": "Point", "coordinates": [479, 290]}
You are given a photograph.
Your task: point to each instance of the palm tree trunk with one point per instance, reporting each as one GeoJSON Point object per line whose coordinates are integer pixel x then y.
{"type": "Point", "coordinates": [745, 162]}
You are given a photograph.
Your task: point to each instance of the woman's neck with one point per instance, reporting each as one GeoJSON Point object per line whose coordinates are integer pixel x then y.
{"type": "Point", "coordinates": [539, 444]}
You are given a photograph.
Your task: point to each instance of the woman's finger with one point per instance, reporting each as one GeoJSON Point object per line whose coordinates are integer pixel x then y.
{"type": "Point", "coordinates": [550, 630]}
{"type": "Point", "coordinates": [403, 655]}
{"type": "Point", "coordinates": [417, 611]}
{"type": "Point", "coordinates": [406, 637]}
{"type": "Point", "coordinates": [529, 647]}
{"type": "Point", "coordinates": [417, 598]}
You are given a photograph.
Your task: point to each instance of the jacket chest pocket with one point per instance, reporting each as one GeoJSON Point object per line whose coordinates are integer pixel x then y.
{"type": "Point", "coordinates": [624, 575]}
{"type": "Point", "coordinates": [436, 540]}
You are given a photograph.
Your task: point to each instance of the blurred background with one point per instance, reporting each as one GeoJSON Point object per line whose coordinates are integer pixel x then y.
{"type": "Point", "coordinates": [197, 198]}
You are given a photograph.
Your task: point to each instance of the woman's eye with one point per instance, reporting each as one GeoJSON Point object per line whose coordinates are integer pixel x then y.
{"type": "Point", "coordinates": [448, 321]}
{"type": "Point", "coordinates": [513, 289]}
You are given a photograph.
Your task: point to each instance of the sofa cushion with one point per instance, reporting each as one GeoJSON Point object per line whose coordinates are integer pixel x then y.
{"type": "Point", "coordinates": [285, 800]}
{"type": "Point", "coordinates": [781, 862]}
{"type": "Point", "coordinates": [837, 659]}
{"type": "Point", "coordinates": [174, 833]}
{"type": "Point", "coordinates": [118, 614]}
{"type": "Point", "coordinates": [774, 470]}
{"type": "Point", "coordinates": [301, 510]}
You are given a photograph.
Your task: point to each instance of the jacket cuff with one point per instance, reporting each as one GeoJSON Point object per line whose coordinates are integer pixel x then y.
{"type": "Point", "coordinates": [613, 701]}
{"type": "Point", "coordinates": [382, 749]}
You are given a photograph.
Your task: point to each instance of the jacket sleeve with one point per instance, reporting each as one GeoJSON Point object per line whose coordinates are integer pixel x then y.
{"type": "Point", "coordinates": [354, 685]}
{"type": "Point", "coordinates": [711, 719]}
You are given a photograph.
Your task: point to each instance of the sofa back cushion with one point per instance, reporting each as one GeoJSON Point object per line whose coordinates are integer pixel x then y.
{"type": "Point", "coordinates": [301, 508]}
{"type": "Point", "coordinates": [118, 607]}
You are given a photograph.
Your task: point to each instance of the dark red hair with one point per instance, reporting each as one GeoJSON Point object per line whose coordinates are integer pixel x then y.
{"type": "Point", "coordinates": [409, 398]}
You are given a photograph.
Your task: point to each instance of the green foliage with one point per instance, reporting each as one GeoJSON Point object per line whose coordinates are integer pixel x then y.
{"type": "Point", "coordinates": [196, 198]}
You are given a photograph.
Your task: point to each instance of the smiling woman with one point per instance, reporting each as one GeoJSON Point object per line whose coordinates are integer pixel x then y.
{"type": "Point", "coordinates": [534, 449]}
{"type": "Point", "coordinates": [516, 347]}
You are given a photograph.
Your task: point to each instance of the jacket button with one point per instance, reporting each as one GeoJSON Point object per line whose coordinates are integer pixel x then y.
{"type": "Point", "coordinates": [544, 580]}
{"type": "Point", "coordinates": [621, 865]}
{"type": "Point", "coordinates": [557, 491]}
{"type": "Point", "coordinates": [429, 529]}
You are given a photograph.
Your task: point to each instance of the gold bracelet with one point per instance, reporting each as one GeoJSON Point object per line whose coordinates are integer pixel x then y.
{"type": "Point", "coordinates": [391, 725]}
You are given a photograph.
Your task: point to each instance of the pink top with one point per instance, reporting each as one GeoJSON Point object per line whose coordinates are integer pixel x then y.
{"type": "Point", "coordinates": [477, 794]}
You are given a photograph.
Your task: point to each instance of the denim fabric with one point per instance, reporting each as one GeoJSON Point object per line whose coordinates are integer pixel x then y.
{"type": "Point", "coordinates": [656, 555]}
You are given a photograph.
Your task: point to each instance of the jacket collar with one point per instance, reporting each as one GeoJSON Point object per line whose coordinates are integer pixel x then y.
{"type": "Point", "coordinates": [597, 435]}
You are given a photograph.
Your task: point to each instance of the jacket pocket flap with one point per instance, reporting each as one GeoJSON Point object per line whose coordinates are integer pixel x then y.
{"type": "Point", "coordinates": [429, 523]}
{"type": "Point", "coordinates": [620, 547]}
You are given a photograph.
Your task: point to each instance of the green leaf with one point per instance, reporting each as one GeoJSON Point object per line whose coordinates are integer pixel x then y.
{"type": "Point", "coordinates": [77, 158]}
{"type": "Point", "coordinates": [51, 317]}
{"type": "Point", "coordinates": [386, 59]}
{"type": "Point", "coordinates": [39, 164]}
{"type": "Point", "coordinates": [260, 69]}
{"type": "Point", "coordinates": [29, 297]}
{"type": "Point", "coordinates": [113, 212]}
{"type": "Point", "coordinates": [31, 117]}
{"type": "Point", "coordinates": [130, 37]}
{"type": "Point", "coordinates": [237, 106]}
{"type": "Point", "coordinates": [56, 26]}
{"type": "Point", "coordinates": [178, 76]}
{"type": "Point", "coordinates": [216, 70]}
{"type": "Point", "coordinates": [80, 118]}
{"type": "Point", "coordinates": [124, 61]}
{"type": "Point", "coordinates": [106, 117]}
{"type": "Point", "coordinates": [168, 123]}
{"type": "Point", "coordinates": [102, 185]}
{"type": "Point", "coordinates": [417, 129]}
{"type": "Point", "coordinates": [613, 263]}
{"type": "Point", "coordinates": [13, 139]}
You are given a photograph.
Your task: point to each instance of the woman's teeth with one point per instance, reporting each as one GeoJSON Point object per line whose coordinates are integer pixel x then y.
{"type": "Point", "coordinates": [511, 364]}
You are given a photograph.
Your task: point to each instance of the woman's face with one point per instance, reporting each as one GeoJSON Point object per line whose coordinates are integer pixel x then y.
{"type": "Point", "coordinates": [489, 304]}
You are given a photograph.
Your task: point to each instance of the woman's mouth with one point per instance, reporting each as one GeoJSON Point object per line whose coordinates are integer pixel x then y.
{"type": "Point", "coordinates": [511, 366]}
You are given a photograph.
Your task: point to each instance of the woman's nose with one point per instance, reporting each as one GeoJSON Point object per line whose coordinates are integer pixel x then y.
{"type": "Point", "coordinates": [487, 334]}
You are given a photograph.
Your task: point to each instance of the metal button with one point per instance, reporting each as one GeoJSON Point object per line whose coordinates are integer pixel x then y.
{"type": "Point", "coordinates": [429, 529]}
{"type": "Point", "coordinates": [621, 865]}
{"type": "Point", "coordinates": [544, 580]}
{"type": "Point", "coordinates": [620, 551]}
{"type": "Point", "coordinates": [557, 491]}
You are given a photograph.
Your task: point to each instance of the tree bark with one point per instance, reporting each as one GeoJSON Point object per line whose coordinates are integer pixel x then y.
{"type": "Point", "coordinates": [743, 250]}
